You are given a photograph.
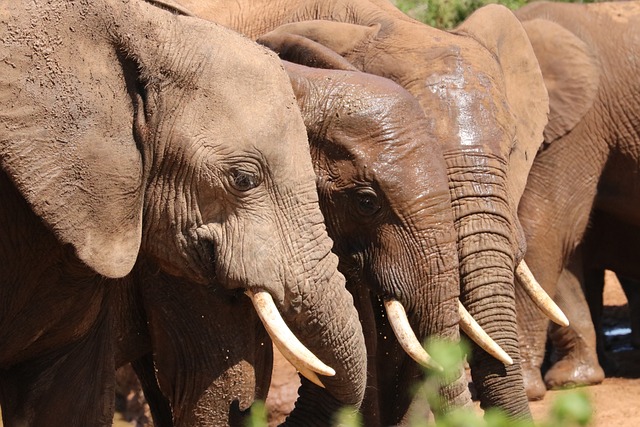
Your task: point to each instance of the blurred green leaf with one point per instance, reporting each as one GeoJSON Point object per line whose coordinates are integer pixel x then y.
{"type": "Point", "coordinates": [571, 409]}
{"type": "Point", "coordinates": [449, 355]}
{"type": "Point", "coordinates": [257, 415]}
{"type": "Point", "coordinates": [348, 417]}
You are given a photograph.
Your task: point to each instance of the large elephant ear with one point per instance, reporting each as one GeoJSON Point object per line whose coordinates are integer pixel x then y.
{"type": "Point", "coordinates": [571, 74]}
{"type": "Point", "coordinates": [320, 41]}
{"type": "Point", "coordinates": [301, 50]}
{"type": "Point", "coordinates": [86, 190]}
{"type": "Point", "coordinates": [69, 149]}
{"type": "Point", "coordinates": [299, 82]}
{"type": "Point", "coordinates": [498, 30]}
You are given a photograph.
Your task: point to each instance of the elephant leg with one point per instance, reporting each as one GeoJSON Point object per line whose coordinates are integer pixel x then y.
{"type": "Point", "coordinates": [631, 289]}
{"type": "Point", "coordinates": [73, 386]}
{"type": "Point", "coordinates": [158, 403]}
{"type": "Point", "coordinates": [576, 359]}
{"type": "Point", "coordinates": [283, 390]}
{"type": "Point", "coordinates": [554, 212]}
{"type": "Point", "coordinates": [533, 326]}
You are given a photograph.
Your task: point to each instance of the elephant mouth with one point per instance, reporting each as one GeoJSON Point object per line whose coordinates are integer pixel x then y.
{"type": "Point", "coordinates": [200, 249]}
{"type": "Point", "coordinates": [411, 345]}
{"type": "Point", "coordinates": [307, 363]}
{"type": "Point", "coordinates": [406, 336]}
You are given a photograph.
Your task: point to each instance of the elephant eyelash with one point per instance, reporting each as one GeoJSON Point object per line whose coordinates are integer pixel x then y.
{"type": "Point", "coordinates": [243, 180]}
{"type": "Point", "coordinates": [367, 202]}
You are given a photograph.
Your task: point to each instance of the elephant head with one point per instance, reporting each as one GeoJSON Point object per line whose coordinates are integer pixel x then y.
{"type": "Point", "coordinates": [176, 142]}
{"type": "Point", "coordinates": [395, 242]}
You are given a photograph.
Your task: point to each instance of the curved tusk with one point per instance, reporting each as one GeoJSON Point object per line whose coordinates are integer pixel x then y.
{"type": "Point", "coordinates": [405, 335]}
{"type": "Point", "coordinates": [291, 348]}
{"type": "Point", "coordinates": [311, 376]}
{"type": "Point", "coordinates": [480, 337]}
{"type": "Point", "coordinates": [539, 296]}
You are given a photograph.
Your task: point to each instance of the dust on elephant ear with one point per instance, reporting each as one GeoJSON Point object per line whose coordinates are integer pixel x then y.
{"type": "Point", "coordinates": [156, 150]}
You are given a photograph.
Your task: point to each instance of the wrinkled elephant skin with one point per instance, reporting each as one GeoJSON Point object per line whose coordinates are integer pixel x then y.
{"type": "Point", "coordinates": [386, 233]}
{"type": "Point", "coordinates": [135, 166]}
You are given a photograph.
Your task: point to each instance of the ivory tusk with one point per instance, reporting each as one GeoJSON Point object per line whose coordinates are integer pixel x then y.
{"type": "Point", "coordinates": [405, 335]}
{"type": "Point", "coordinates": [539, 296]}
{"type": "Point", "coordinates": [291, 348]}
{"type": "Point", "coordinates": [311, 376]}
{"type": "Point", "coordinates": [480, 337]}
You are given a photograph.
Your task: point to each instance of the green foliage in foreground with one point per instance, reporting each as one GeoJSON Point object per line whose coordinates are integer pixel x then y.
{"type": "Point", "coordinates": [449, 13]}
{"type": "Point", "coordinates": [570, 409]}
{"type": "Point", "coordinates": [258, 415]}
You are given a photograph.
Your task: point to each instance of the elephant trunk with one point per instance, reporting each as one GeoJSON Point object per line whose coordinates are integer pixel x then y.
{"type": "Point", "coordinates": [485, 225]}
{"type": "Point", "coordinates": [441, 311]}
{"type": "Point", "coordinates": [426, 284]}
{"type": "Point", "coordinates": [327, 322]}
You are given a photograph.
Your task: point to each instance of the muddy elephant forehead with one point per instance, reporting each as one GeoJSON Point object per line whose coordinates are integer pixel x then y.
{"type": "Point", "coordinates": [463, 95]}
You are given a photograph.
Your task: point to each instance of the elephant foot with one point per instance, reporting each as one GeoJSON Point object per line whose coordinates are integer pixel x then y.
{"type": "Point", "coordinates": [572, 372]}
{"type": "Point", "coordinates": [533, 383]}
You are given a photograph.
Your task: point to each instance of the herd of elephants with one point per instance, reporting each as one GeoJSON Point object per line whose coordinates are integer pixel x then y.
{"type": "Point", "coordinates": [184, 182]}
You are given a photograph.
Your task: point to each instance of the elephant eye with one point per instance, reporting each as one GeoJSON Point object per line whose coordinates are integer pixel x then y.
{"type": "Point", "coordinates": [367, 201]}
{"type": "Point", "coordinates": [243, 180]}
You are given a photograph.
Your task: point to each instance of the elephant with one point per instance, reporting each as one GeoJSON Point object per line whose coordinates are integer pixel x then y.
{"type": "Point", "coordinates": [590, 156]}
{"type": "Point", "coordinates": [157, 155]}
{"type": "Point", "coordinates": [469, 83]}
{"type": "Point", "coordinates": [387, 235]}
